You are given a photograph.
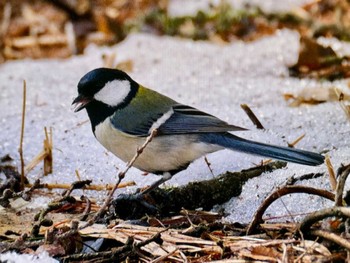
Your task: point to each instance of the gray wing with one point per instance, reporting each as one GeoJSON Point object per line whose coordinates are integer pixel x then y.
{"type": "Point", "coordinates": [134, 122]}
{"type": "Point", "coordinates": [186, 119]}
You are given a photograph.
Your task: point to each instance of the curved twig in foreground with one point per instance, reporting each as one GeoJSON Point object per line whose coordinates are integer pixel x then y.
{"type": "Point", "coordinates": [281, 192]}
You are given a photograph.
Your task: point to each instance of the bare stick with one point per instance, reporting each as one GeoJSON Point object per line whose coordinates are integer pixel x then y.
{"type": "Point", "coordinates": [108, 59]}
{"type": "Point", "coordinates": [332, 177]}
{"type": "Point", "coordinates": [48, 160]}
{"type": "Point", "coordinates": [345, 107]}
{"type": "Point", "coordinates": [208, 164]}
{"type": "Point", "coordinates": [35, 161]}
{"type": "Point", "coordinates": [332, 237]}
{"type": "Point", "coordinates": [340, 185]}
{"type": "Point", "coordinates": [45, 155]}
{"type": "Point", "coordinates": [87, 187]}
{"type": "Point", "coordinates": [252, 116]}
{"type": "Point", "coordinates": [297, 140]}
{"type": "Point", "coordinates": [121, 176]}
{"type": "Point", "coordinates": [138, 153]}
{"type": "Point", "coordinates": [78, 175]}
{"type": "Point", "coordinates": [341, 212]}
{"type": "Point", "coordinates": [281, 192]}
{"type": "Point", "coordinates": [22, 133]}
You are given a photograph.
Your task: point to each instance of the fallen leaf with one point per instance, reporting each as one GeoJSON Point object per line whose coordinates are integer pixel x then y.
{"type": "Point", "coordinates": [315, 96]}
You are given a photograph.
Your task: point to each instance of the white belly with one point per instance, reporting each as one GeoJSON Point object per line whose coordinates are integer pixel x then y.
{"type": "Point", "coordinates": [163, 153]}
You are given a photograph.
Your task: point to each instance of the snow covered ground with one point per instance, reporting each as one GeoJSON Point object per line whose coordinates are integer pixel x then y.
{"type": "Point", "coordinates": [177, 7]}
{"type": "Point", "coordinates": [213, 78]}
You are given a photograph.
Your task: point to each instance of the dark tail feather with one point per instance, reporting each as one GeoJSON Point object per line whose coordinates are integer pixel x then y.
{"type": "Point", "coordinates": [235, 143]}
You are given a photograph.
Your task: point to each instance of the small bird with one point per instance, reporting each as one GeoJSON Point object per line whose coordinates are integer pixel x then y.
{"type": "Point", "coordinates": [123, 113]}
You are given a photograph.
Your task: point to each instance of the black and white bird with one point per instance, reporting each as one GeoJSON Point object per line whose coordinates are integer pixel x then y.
{"type": "Point", "coordinates": [123, 113]}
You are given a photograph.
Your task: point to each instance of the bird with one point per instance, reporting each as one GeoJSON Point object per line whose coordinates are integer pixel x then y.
{"type": "Point", "coordinates": [124, 113]}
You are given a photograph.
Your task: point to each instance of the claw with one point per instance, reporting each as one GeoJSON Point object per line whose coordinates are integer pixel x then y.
{"type": "Point", "coordinates": [131, 206]}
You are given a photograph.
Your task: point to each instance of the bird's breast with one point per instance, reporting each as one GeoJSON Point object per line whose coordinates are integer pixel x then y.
{"type": "Point", "coordinates": [164, 153]}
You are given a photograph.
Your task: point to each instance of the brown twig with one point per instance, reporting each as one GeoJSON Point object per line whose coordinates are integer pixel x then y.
{"type": "Point", "coordinates": [108, 59]}
{"type": "Point", "coordinates": [103, 254]}
{"type": "Point", "coordinates": [5, 198]}
{"type": "Point", "coordinates": [117, 254]}
{"type": "Point", "coordinates": [292, 180]}
{"type": "Point", "coordinates": [332, 237]}
{"type": "Point", "coordinates": [48, 160]}
{"type": "Point", "coordinates": [322, 214]}
{"type": "Point", "coordinates": [332, 178]}
{"type": "Point", "coordinates": [209, 165]}
{"type": "Point", "coordinates": [78, 175]}
{"type": "Point", "coordinates": [26, 194]}
{"type": "Point", "coordinates": [252, 116]}
{"type": "Point", "coordinates": [45, 155]}
{"type": "Point", "coordinates": [22, 133]}
{"type": "Point", "coordinates": [297, 140]}
{"type": "Point", "coordinates": [343, 105]}
{"type": "Point", "coordinates": [22, 243]}
{"type": "Point", "coordinates": [121, 176]}
{"type": "Point", "coordinates": [87, 209]}
{"type": "Point", "coordinates": [281, 192]}
{"type": "Point", "coordinates": [87, 187]}
{"type": "Point", "coordinates": [77, 185]}
{"type": "Point", "coordinates": [340, 185]}
{"type": "Point", "coordinates": [164, 257]}
{"type": "Point", "coordinates": [54, 205]}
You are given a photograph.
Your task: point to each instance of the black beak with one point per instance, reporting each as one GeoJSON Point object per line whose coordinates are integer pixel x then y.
{"type": "Point", "coordinates": [81, 102]}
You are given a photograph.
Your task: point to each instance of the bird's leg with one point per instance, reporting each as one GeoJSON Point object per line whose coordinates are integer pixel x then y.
{"type": "Point", "coordinates": [128, 205]}
{"type": "Point", "coordinates": [140, 195]}
{"type": "Point", "coordinates": [166, 176]}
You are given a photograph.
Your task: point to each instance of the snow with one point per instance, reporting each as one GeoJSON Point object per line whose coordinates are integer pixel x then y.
{"type": "Point", "coordinates": [213, 78]}
{"type": "Point", "coordinates": [177, 7]}
{"type": "Point", "coordinates": [13, 257]}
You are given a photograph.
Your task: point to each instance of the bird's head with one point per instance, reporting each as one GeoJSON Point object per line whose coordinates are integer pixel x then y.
{"type": "Point", "coordinates": [109, 87]}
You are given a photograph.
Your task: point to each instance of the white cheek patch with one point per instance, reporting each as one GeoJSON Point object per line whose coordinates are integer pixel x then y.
{"type": "Point", "coordinates": [114, 92]}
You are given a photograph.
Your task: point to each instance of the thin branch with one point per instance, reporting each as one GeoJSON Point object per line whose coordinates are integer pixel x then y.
{"type": "Point", "coordinates": [121, 176]}
{"type": "Point", "coordinates": [322, 214]}
{"type": "Point", "coordinates": [22, 243]}
{"type": "Point", "coordinates": [87, 187]}
{"type": "Point", "coordinates": [22, 133]}
{"type": "Point", "coordinates": [117, 254]}
{"type": "Point", "coordinates": [340, 186]}
{"type": "Point", "coordinates": [297, 140]}
{"type": "Point", "coordinates": [78, 175]}
{"type": "Point", "coordinates": [45, 155]}
{"type": "Point", "coordinates": [209, 165]}
{"type": "Point", "coordinates": [252, 116]}
{"type": "Point", "coordinates": [345, 107]}
{"type": "Point", "coordinates": [332, 237]}
{"type": "Point", "coordinates": [281, 192]}
{"type": "Point", "coordinates": [332, 178]}
{"type": "Point", "coordinates": [87, 208]}
{"type": "Point", "coordinates": [164, 257]}
{"type": "Point", "coordinates": [48, 160]}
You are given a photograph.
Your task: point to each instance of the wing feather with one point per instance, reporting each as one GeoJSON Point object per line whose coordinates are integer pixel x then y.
{"type": "Point", "coordinates": [186, 119]}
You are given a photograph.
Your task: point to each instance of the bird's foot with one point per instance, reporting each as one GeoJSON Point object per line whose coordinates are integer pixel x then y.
{"type": "Point", "coordinates": [131, 206]}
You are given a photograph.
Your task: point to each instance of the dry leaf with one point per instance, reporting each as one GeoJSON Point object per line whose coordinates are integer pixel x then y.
{"type": "Point", "coordinates": [315, 96]}
{"type": "Point", "coordinates": [266, 251]}
{"type": "Point", "coordinates": [312, 246]}
{"type": "Point", "coordinates": [126, 65]}
{"type": "Point", "coordinates": [252, 255]}
{"type": "Point", "coordinates": [319, 61]}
